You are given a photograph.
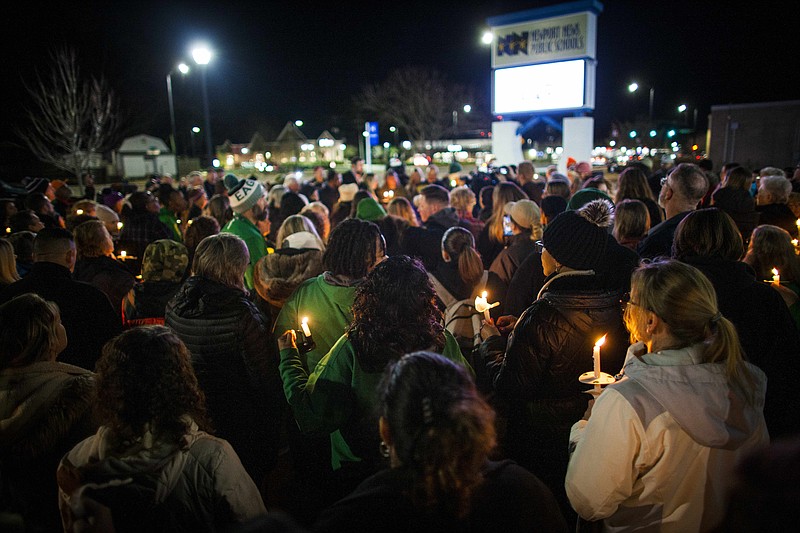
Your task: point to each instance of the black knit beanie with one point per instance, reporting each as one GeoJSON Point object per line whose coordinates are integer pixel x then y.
{"type": "Point", "coordinates": [574, 241]}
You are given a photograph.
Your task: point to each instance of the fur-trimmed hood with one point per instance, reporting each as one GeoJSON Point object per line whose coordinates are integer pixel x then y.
{"type": "Point", "coordinates": [277, 275]}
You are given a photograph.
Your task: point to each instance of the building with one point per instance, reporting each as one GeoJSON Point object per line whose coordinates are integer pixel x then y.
{"type": "Point", "coordinates": [144, 155]}
{"type": "Point", "coordinates": [755, 135]}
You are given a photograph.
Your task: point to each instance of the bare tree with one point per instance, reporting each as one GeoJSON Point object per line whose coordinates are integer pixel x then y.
{"type": "Point", "coordinates": [418, 100]}
{"type": "Point", "coordinates": [70, 118]}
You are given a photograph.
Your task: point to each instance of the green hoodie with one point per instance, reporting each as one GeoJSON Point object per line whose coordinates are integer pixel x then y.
{"type": "Point", "coordinates": [329, 309]}
{"type": "Point", "coordinates": [338, 392]}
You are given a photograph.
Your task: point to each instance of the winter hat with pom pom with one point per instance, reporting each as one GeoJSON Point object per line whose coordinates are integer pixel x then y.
{"type": "Point", "coordinates": [577, 239]}
{"type": "Point", "coordinates": [243, 194]}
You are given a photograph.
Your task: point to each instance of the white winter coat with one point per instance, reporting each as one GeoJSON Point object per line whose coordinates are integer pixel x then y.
{"type": "Point", "coordinates": [661, 445]}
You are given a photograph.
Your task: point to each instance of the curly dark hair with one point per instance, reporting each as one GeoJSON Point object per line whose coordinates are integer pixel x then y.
{"type": "Point", "coordinates": [395, 312]}
{"type": "Point", "coordinates": [441, 428]}
{"type": "Point", "coordinates": [351, 248]}
{"type": "Point", "coordinates": [145, 376]}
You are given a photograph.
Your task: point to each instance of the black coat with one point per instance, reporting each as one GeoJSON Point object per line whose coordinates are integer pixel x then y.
{"type": "Point", "coordinates": [146, 302]}
{"type": "Point", "coordinates": [425, 242]}
{"type": "Point", "coordinates": [767, 332]}
{"type": "Point", "coordinates": [535, 382]}
{"type": "Point", "coordinates": [235, 358]}
{"type": "Point", "coordinates": [108, 275]}
{"type": "Point", "coordinates": [87, 315]}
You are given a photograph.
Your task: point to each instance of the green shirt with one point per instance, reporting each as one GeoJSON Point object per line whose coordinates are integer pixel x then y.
{"type": "Point", "coordinates": [329, 309]}
{"type": "Point", "coordinates": [256, 245]}
{"type": "Point", "coordinates": [337, 390]}
{"type": "Point", "coordinates": [170, 221]}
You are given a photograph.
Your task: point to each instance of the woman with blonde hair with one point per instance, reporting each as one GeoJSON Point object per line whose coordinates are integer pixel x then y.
{"type": "Point", "coordinates": [463, 200]}
{"type": "Point", "coordinates": [401, 207]}
{"type": "Point", "coordinates": [97, 265]}
{"type": "Point", "coordinates": [8, 264]}
{"type": "Point", "coordinates": [492, 239]}
{"type": "Point", "coordinates": [686, 392]}
{"type": "Point", "coordinates": [298, 257]}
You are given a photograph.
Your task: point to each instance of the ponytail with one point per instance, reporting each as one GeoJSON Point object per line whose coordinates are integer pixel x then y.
{"type": "Point", "coordinates": [459, 244]}
{"type": "Point", "coordinates": [724, 346]}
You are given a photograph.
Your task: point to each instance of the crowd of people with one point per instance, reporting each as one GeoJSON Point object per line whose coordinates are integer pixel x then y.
{"type": "Point", "coordinates": [221, 353]}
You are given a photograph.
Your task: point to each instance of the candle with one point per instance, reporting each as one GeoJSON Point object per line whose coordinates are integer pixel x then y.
{"type": "Point", "coordinates": [482, 306]}
{"type": "Point", "coordinates": [304, 325]}
{"type": "Point", "coordinates": [776, 277]}
{"type": "Point", "coordinates": [79, 212]}
{"type": "Point", "coordinates": [123, 254]}
{"type": "Point", "coordinates": [119, 225]}
{"type": "Point", "coordinates": [178, 222]}
{"type": "Point", "coordinates": [596, 356]}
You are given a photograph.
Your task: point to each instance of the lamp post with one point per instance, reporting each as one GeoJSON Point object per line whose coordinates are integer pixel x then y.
{"type": "Point", "coordinates": [183, 68]}
{"type": "Point", "coordinates": [467, 108]}
{"type": "Point", "coordinates": [201, 56]}
{"type": "Point", "coordinates": [633, 87]}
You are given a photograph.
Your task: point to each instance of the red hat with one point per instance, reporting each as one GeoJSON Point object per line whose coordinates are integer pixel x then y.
{"type": "Point", "coordinates": [570, 161]}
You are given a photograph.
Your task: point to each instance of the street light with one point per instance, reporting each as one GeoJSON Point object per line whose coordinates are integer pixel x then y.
{"type": "Point", "coordinates": [467, 108]}
{"type": "Point", "coordinates": [633, 87]}
{"type": "Point", "coordinates": [183, 68]}
{"type": "Point", "coordinates": [202, 56]}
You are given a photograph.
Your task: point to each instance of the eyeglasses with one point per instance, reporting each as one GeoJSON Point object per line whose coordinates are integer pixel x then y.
{"type": "Point", "coordinates": [538, 247]}
{"type": "Point", "coordinates": [626, 299]}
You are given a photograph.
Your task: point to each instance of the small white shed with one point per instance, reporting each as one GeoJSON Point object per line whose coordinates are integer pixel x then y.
{"type": "Point", "coordinates": [142, 155]}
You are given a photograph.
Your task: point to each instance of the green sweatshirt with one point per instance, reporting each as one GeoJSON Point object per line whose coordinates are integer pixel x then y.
{"type": "Point", "coordinates": [256, 245]}
{"type": "Point", "coordinates": [329, 309]}
{"type": "Point", "coordinates": [337, 390]}
{"type": "Point", "coordinates": [170, 220]}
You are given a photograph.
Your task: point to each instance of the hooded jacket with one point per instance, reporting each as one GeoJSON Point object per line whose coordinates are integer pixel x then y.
{"type": "Point", "coordinates": [158, 485]}
{"type": "Point", "coordinates": [276, 276]}
{"type": "Point", "coordinates": [660, 446]}
{"type": "Point", "coordinates": [44, 411]}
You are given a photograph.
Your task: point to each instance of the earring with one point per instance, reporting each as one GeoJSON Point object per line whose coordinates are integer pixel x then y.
{"type": "Point", "coordinates": [384, 449]}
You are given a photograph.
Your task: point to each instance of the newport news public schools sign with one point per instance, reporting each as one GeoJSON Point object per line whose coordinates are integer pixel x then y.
{"type": "Point", "coordinates": [545, 40]}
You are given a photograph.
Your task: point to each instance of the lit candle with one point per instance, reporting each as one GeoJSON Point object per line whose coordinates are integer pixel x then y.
{"type": "Point", "coordinates": [482, 306]}
{"type": "Point", "coordinates": [596, 356]}
{"type": "Point", "coordinates": [119, 225]}
{"type": "Point", "coordinates": [776, 277]}
{"type": "Point", "coordinates": [123, 254]}
{"type": "Point", "coordinates": [79, 212]}
{"type": "Point", "coordinates": [797, 223]}
{"type": "Point", "coordinates": [178, 222]}
{"type": "Point", "coordinates": [304, 325]}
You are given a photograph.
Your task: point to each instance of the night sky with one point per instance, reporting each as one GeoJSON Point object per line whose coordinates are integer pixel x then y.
{"type": "Point", "coordinates": [280, 61]}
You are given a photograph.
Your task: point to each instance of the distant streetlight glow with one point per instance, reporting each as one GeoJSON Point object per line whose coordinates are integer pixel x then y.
{"type": "Point", "coordinates": [633, 87]}
{"type": "Point", "coordinates": [298, 123]}
{"type": "Point", "coordinates": [202, 56]}
{"type": "Point", "coordinates": [467, 108]}
{"type": "Point", "coordinates": [671, 133]}
{"type": "Point", "coordinates": [406, 145]}
{"type": "Point", "coordinates": [632, 134]}
{"type": "Point", "coordinates": [386, 145]}
{"type": "Point", "coordinates": [653, 133]}
{"type": "Point", "coordinates": [487, 37]}
{"type": "Point", "coordinates": [681, 108]}
{"type": "Point", "coordinates": [183, 68]}
{"type": "Point", "coordinates": [195, 129]}
{"type": "Point", "coordinates": [392, 129]}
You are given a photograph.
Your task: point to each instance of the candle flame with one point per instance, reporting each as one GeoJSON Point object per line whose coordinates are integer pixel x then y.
{"type": "Point", "coordinates": [123, 253]}
{"type": "Point", "coordinates": [483, 294]}
{"type": "Point", "coordinates": [119, 225]}
{"type": "Point", "coordinates": [601, 341]}
{"type": "Point", "coordinates": [79, 212]}
{"type": "Point", "coordinates": [305, 320]}
{"type": "Point", "coordinates": [775, 271]}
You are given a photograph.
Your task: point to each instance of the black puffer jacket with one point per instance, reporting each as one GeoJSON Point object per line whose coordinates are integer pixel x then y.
{"type": "Point", "coordinates": [235, 358]}
{"type": "Point", "coordinates": [535, 382]}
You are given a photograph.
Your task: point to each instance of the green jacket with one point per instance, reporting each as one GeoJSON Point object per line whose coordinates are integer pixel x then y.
{"type": "Point", "coordinates": [338, 395]}
{"type": "Point", "coordinates": [170, 220]}
{"type": "Point", "coordinates": [329, 309]}
{"type": "Point", "coordinates": [256, 245]}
